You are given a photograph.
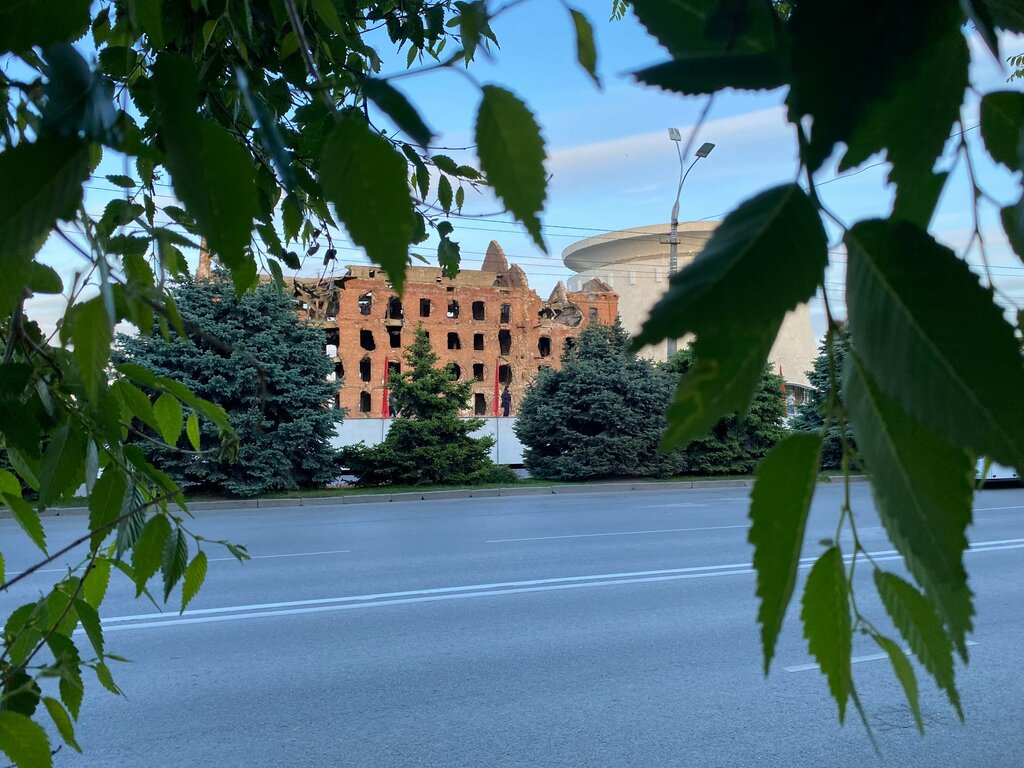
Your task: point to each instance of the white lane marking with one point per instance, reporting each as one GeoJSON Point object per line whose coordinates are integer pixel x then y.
{"type": "Point", "coordinates": [289, 554]}
{"type": "Point", "coordinates": [992, 509]}
{"type": "Point", "coordinates": [853, 660]}
{"type": "Point", "coordinates": [675, 504]}
{"type": "Point", "coordinates": [615, 533]}
{"type": "Point", "coordinates": [217, 559]}
{"type": "Point", "coordinates": [354, 602]}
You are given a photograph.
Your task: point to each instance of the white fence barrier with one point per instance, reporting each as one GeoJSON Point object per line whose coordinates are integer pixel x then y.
{"type": "Point", "coordinates": [506, 450]}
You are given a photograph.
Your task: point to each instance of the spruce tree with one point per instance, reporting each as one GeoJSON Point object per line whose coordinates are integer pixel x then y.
{"type": "Point", "coordinates": [255, 358]}
{"type": "Point", "coordinates": [810, 416]}
{"type": "Point", "coordinates": [600, 415]}
{"type": "Point", "coordinates": [735, 446]}
{"type": "Point", "coordinates": [428, 442]}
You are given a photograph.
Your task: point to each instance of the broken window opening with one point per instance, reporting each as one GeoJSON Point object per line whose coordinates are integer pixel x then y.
{"type": "Point", "coordinates": [570, 345]}
{"type": "Point", "coordinates": [424, 307]}
{"type": "Point", "coordinates": [456, 371]}
{"type": "Point", "coordinates": [395, 309]}
{"type": "Point", "coordinates": [395, 337]}
{"type": "Point", "coordinates": [331, 350]}
{"type": "Point", "coordinates": [453, 309]}
{"type": "Point", "coordinates": [480, 404]}
{"type": "Point", "coordinates": [366, 340]}
{"type": "Point", "coordinates": [365, 369]}
{"type": "Point", "coordinates": [478, 310]}
{"type": "Point", "coordinates": [504, 342]}
{"type": "Point", "coordinates": [332, 336]}
{"type": "Point", "coordinates": [504, 373]}
{"type": "Point", "coordinates": [592, 314]}
{"type": "Point", "coordinates": [478, 371]}
{"type": "Point", "coordinates": [506, 313]}
{"type": "Point", "coordinates": [453, 341]}
{"type": "Point", "coordinates": [339, 371]}
{"type": "Point", "coordinates": [394, 368]}
{"type": "Point", "coordinates": [544, 346]}
{"type": "Point", "coordinates": [478, 341]}
{"type": "Point", "coordinates": [364, 402]}
{"type": "Point", "coordinates": [365, 303]}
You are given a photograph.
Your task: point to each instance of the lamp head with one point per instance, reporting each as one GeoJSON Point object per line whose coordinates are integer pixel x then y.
{"type": "Point", "coordinates": [705, 149]}
{"type": "Point", "coordinates": [673, 134]}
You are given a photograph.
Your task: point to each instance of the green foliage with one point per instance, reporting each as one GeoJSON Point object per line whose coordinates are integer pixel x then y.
{"type": "Point", "coordinates": [600, 415]}
{"type": "Point", "coordinates": [936, 375]}
{"type": "Point", "coordinates": [779, 507]}
{"type": "Point", "coordinates": [428, 443]}
{"type": "Point", "coordinates": [735, 446]}
{"type": "Point", "coordinates": [265, 368]}
{"type": "Point", "coordinates": [826, 398]}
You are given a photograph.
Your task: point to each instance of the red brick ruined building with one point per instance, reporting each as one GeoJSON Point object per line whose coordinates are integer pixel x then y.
{"type": "Point", "coordinates": [487, 323]}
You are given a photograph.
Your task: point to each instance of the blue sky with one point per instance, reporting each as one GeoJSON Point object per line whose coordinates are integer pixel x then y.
{"type": "Point", "coordinates": [612, 166]}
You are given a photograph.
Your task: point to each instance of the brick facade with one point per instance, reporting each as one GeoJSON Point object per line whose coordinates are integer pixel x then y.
{"type": "Point", "coordinates": [485, 321]}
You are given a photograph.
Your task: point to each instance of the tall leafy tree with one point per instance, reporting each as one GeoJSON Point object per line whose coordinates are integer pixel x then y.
{"type": "Point", "coordinates": [825, 401]}
{"type": "Point", "coordinates": [428, 443]}
{"type": "Point", "coordinates": [267, 369]}
{"type": "Point", "coordinates": [735, 445]}
{"type": "Point", "coordinates": [600, 415]}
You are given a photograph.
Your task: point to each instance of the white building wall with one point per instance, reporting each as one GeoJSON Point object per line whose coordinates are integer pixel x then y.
{"type": "Point", "coordinates": [506, 450]}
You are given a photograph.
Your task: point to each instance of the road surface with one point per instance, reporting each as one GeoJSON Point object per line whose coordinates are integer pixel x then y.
{"type": "Point", "coordinates": [602, 629]}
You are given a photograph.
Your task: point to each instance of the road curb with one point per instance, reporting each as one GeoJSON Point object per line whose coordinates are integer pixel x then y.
{"type": "Point", "coordinates": [468, 493]}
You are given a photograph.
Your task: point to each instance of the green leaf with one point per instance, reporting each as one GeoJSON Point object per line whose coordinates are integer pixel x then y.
{"type": "Point", "coordinates": [126, 182]}
{"type": "Point", "coordinates": [365, 179]}
{"type": "Point", "coordinates": [1012, 217]}
{"type": "Point", "coordinates": [192, 429]}
{"type": "Point", "coordinates": [136, 402]}
{"type": "Point", "coordinates": [446, 164]}
{"type": "Point", "coordinates": [106, 679]}
{"type": "Point", "coordinates": [63, 468]}
{"type": "Point", "coordinates": [1002, 127]}
{"type": "Point", "coordinates": [511, 151]}
{"type": "Point", "coordinates": [923, 490]}
{"type": "Point", "coordinates": [291, 217]}
{"type": "Point", "coordinates": [826, 618]}
{"type": "Point", "coordinates": [146, 555]}
{"type": "Point", "coordinates": [940, 346]}
{"type": "Point", "coordinates": [21, 694]}
{"type": "Point", "coordinates": [913, 122]}
{"type": "Point", "coordinates": [586, 51]}
{"type": "Point", "coordinates": [195, 575]}
{"type": "Point", "coordinates": [922, 629]}
{"type": "Point", "coordinates": [67, 661]}
{"type": "Point", "coordinates": [780, 502]}
{"type": "Point", "coordinates": [917, 203]}
{"type": "Point", "coordinates": [903, 96]}
{"type": "Point", "coordinates": [27, 518]}
{"type": "Point", "coordinates": [40, 23]}
{"type": "Point", "coordinates": [147, 14]}
{"type": "Point", "coordinates": [50, 175]}
{"type": "Point", "coordinates": [212, 174]}
{"type": "Point", "coordinates": [62, 721]}
{"type": "Point", "coordinates": [79, 102]}
{"type": "Point", "coordinates": [905, 674]}
{"type": "Point", "coordinates": [92, 331]}
{"type": "Point", "coordinates": [444, 193]}
{"type": "Point", "coordinates": [96, 581]}
{"type": "Point", "coordinates": [174, 560]}
{"type": "Point", "coordinates": [401, 111]}
{"type": "Point", "coordinates": [460, 198]}
{"type": "Point", "coordinates": [168, 413]}
{"type": "Point", "coordinates": [91, 624]}
{"type": "Point", "coordinates": [709, 26]}
{"type": "Point", "coordinates": [728, 365]}
{"type": "Point", "coordinates": [106, 502]}
{"type": "Point", "coordinates": [767, 257]}
{"type": "Point", "coordinates": [44, 279]}
{"type": "Point", "coordinates": [327, 13]}
{"type": "Point", "coordinates": [24, 741]}
{"type": "Point", "coordinates": [693, 75]}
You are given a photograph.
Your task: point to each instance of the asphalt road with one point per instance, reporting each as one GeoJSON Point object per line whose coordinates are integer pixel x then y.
{"type": "Point", "coordinates": [608, 629]}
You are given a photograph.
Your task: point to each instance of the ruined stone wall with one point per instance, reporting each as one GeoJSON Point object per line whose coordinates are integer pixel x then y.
{"type": "Point", "coordinates": [487, 323]}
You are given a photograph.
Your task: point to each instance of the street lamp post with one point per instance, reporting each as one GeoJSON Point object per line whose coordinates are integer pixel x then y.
{"type": "Point", "coordinates": [673, 238]}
